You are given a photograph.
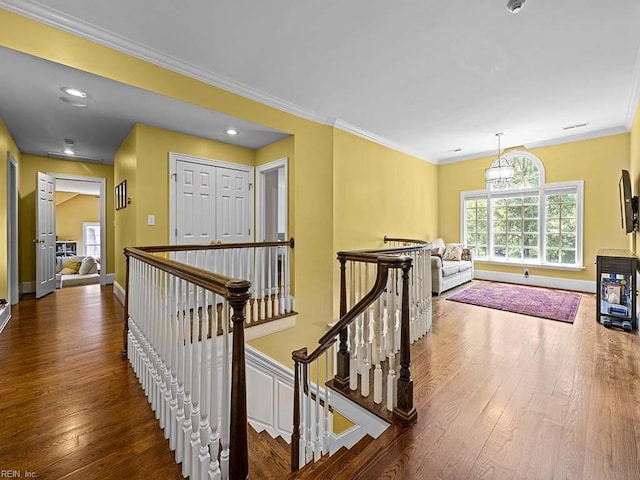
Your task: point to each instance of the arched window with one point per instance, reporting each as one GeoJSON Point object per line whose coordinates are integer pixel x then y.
{"type": "Point", "coordinates": [525, 221]}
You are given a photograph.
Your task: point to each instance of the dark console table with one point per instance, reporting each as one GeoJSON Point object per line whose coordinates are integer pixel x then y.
{"type": "Point", "coordinates": [616, 288]}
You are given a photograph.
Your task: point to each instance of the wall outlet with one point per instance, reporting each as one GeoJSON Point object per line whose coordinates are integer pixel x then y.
{"type": "Point", "coordinates": [526, 273]}
{"type": "Point", "coordinates": [151, 219]}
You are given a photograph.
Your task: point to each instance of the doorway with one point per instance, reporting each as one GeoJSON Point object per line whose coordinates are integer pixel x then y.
{"type": "Point", "coordinates": [272, 201]}
{"type": "Point", "coordinates": [84, 230]}
{"type": "Point", "coordinates": [12, 228]}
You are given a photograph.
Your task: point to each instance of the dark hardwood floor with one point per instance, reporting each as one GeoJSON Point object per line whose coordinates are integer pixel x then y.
{"type": "Point", "coordinates": [498, 395]}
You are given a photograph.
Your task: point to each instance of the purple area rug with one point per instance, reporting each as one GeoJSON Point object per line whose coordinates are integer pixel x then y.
{"type": "Point", "coordinates": [536, 302]}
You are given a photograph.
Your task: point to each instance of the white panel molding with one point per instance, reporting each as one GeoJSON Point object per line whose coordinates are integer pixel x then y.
{"type": "Point", "coordinates": [5, 315]}
{"type": "Point", "coordinates": [634, 95]}
{"type": "Point", "coordinates": [587, 286]}
{"type": "Point", "coordinates": [262, 370]}
{"type": "Point", "coordinates": [119, 292]}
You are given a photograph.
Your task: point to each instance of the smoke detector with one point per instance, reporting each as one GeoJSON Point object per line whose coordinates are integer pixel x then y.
{"type": "Point", "coordinates": [514, 6]}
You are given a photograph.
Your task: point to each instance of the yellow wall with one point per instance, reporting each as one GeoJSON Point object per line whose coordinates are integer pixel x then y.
{"type": "Point", "coordinates": [29, 167]}
{"type": "Point", "coordinates": [72, 213]}
{"type": "Point", "coordinates": [598, 162]}
{"type": "Point", "coordinates": [6, 144]}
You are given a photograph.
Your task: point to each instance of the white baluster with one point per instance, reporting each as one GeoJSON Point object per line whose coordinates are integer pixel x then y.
{"type": "Point", "coordinates": [226, 392]}
{"type": "Point", "coordinates": [262, 266]}
{"type": "Point", "coordinates": [214, 436]}
{"type": "Point", "coordinates": [378, 330]}
{"type": "Point", "coordinates": [353, 344]}
{"type": "Point", "coordinates": [308, 423]}
{"type": "Point", "coordinates": [175, 339]}
{"type": "Point", "coordinates": [326, 439]}
{"type": "Point", "coordinates": [269, 298]}
{"type": "Point", "coordinates": [186, 427]}
{"type": "Point", "coordinates": [318, 436]}
{"type": "Point", "coordinates": [182, 352]}
{"type": "Point", "coordinates": [195, 381]}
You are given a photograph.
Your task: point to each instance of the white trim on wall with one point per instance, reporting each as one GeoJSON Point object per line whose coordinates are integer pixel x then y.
{"type": "Point", "coordinates": [5, 315]}
{"type": "Point", "coordinates": [260, 194]}
{"type": "Point", "coordinates": [119, 292]}
{"type": "Point", "coordinates": [587, 286]}
{"type": "Point", "coordinates": [13, 294]}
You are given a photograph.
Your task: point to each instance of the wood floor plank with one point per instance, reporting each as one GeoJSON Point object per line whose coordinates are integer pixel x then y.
{"type": "Point", "coordinates": [498, 395]}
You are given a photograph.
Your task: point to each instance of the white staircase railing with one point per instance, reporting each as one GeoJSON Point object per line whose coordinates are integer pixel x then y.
{"type": "Point", "coordinates": [181, 321]}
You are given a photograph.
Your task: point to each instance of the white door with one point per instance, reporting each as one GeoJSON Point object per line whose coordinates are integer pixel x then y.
{"type": "Point", "coordinates": [195, 203]}
{"type": "Point", "coordinates": [213, 203]}
{"type": "Point", "coordinates": [233, 200]}
{"type": "Point", "coordinates": [46, 236]}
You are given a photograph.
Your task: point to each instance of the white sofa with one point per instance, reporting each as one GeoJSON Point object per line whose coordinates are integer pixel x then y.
{"type": "Point", "coordinates": [87, 272]}
{"type": "Point", "coordinates": [445, 272]}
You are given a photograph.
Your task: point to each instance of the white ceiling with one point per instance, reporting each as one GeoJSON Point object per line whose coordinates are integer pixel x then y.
{"type": "Point", "coordinates": [425, 77]}
{"type": "Point", "coordinates": [78, 186]}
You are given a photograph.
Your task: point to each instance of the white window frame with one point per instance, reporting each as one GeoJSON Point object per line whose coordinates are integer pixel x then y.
{"type": "Point", "coordinates": [84, 236]}
{"type": "Point", "coordinates": [542, 191]}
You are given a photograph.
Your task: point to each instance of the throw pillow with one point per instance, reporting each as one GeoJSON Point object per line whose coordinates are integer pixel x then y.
{"type": "Point", "coordinates": [86, 265]}
{"type": "Point", "coordinates": [453, 253]}
{"type": "Point", "coordinates": [68, 271]}
{"type": "Point", "coordinates": [73, 266]}
{"type": "Point", "coordinates": [466, 254]}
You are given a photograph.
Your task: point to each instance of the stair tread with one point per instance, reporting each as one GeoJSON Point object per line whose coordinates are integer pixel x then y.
{"type": "Point", "coordinates": [330, 466]}
{"type": "Point", "coordinates": [269, 458]}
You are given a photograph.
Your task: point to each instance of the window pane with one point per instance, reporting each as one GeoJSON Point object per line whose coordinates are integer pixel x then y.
{"type": "Point", "coordinates": [482, 203]}
{"type": "Point", "coordinates": [482, 225]}
{"type": "Point", "coordinates": [553, 256]}
{"type": "Point", "coordinates": [514, 239]}
{"type": "Point", "coordinates": [500, 239]}
{"type": "Point", "coordinates": [530, 253]}
{"type": "Point", "coordinates": [514, 252]}
{"type": "Point", "coordinates": [568, 225]}
{"type": "Point", "coordinates": [482, 252]}
{"type": "Point", "coordinates": [471, 214]}
{"type": "Point", "coordinates": [471, 239]}
{"type": "Point", "coordinates": [568, 198]}
{"type": "Point", "coordinates": [531, 240]}
{"type": "Point", "coordinates": [471, 227]}
{"type": "Point", "coordinates": [499, 252]}
{"type": "Point", "coordinates": [568, 241]}
{"type": "Point", "coordinates": [553, 210]}
{"type": "Point", "coordinates": [500, 226]}
{"type": "Point", "coordinates": [514, 201]}
{"type": "Point", "coordinates": [568, 210]}
{"type": "Point", "coordinates": [531, 201]}
{"type": "Point", "coordinates": [514, 226]}
{"type": "Point", "coordinates": [531, 211]}
{"type": "Point", "coordinates": [499, 202]}
{"type": "Point", "coordinates": [482, 239]}
{"type": "Point", "coordinates": [553, 226]}
{"type": "Point", "coordinates": [482, 213]}
{"type": "Point", "coordinates": [568, 256]}
{"type": "Point", "coordinates": [514, 212]}
{"type": "Point", "coordinates": [553, 240]}
{"type": "Point", "coordinates": [530, 226]}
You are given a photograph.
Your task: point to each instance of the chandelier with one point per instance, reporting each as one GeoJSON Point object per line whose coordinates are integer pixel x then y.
{"type": "Point", "coordinates": [500, 171]}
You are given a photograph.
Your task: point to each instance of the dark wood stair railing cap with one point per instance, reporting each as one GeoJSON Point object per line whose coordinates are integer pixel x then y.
{"type": "Point", "coordinates": [220, 284]}
{"type": "Point", "coordinates": [388, 239]}
{"type": "Point", "coordinates": [217, 246]}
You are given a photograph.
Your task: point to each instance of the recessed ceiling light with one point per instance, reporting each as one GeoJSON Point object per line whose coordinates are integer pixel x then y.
{"type": "Point", "coordinates": [74, 92]}
{"type": "Point", "coordinates": [76, 102]}
{"type": "Point", "coordinates": [69, 151]}
{"type": "Point", "coordinates": [231, 131]}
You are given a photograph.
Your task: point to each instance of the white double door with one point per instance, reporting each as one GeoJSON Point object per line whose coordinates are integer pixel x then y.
{"type": "Point", "coordinates": [214, 203]}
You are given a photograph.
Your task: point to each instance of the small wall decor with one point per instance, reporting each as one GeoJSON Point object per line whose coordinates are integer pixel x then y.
{"type": "Point", "coordinates": [121, 195]}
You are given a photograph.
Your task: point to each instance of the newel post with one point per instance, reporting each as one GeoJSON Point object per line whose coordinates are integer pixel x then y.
{"type": "Point", "coordinates": [125, 332]}
{"type": "Point", "coordinates": [295, 436]}
{"type": "Point", "coordinates": [405, 410]}
{"type": "Point", "coordinates": [341, 378]}
{"type": "Point", "coordinates": [239, 452]}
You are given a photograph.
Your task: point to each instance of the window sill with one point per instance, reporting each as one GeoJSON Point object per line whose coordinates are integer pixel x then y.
{"type": "Point", "coordinates": [549, 266]}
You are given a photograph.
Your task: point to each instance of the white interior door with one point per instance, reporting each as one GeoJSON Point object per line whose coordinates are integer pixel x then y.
{"type": "Point", "coordinates": [212, 203]}
{"type": "Point", "coordinates": [46, 236]}
{"type": "Point", "coordinates": [195, 203]}
{"type": "Point", "coordinates": [233, 202]}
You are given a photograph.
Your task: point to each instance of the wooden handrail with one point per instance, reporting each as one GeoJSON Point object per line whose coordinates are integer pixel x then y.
{"type": "Point", "coordinates": [220, 284]}
{"type": "Point", "coordinates": [217, 246]}
{"type": "Point", "coordinates": [405, 240]}
{"type": "Point", "coordinates": [370, 256]}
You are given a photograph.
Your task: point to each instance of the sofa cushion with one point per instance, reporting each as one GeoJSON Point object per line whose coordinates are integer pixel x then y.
{"type": "Point", "coordinates": [449, 267]}
{"type": "Point", "coordinates": [464, 265]}
{"type": "Point", "coordinates": [453, 252]}
{"type": "Point", "coordinates": [439, 244]}
{"type": "Point", "coordinates": [87, 266]}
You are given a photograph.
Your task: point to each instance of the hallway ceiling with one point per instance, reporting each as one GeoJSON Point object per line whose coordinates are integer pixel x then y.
{"type": "Point", "coordinates": [434, 79]}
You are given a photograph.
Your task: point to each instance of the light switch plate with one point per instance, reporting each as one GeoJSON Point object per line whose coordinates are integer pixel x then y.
{"type": "Point", "coordinates": [151, 219]}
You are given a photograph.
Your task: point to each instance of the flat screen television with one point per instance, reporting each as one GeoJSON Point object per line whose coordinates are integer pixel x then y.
{"type": "Point", "coordinates": [628, 204]}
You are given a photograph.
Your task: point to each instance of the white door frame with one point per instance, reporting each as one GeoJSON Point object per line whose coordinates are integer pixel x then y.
{"type": "Point", "coordinates": [13, 293]}
{"type": "Point", "coordinates": [103, 215]}
{"type": "Point", "coordinates": [183, 157]}
{"type": "Point", "coordinates": [260, 195]}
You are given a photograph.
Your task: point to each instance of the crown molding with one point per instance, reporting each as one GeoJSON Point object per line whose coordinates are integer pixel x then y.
{"type": "Point", "coordinates": [360, 132]}
{"type": "Point", "coordinates": [634, 97]}
{"type": "Point", "coordinates": [607, 132]}
{"type": "Point", "coordinates": [54, 18]}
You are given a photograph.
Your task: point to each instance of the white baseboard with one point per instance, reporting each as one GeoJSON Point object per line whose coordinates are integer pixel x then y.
{"type": "Point", "coordinates": [111, 278]}
{"type": "Point", "coordinates": [537, 281]}
{"type": "Point", "coordinates": [28, 287]}
{"type": "Point", "coordinates": [119, 292]}
{"type": "Point", "coordinates": [5, 315]}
